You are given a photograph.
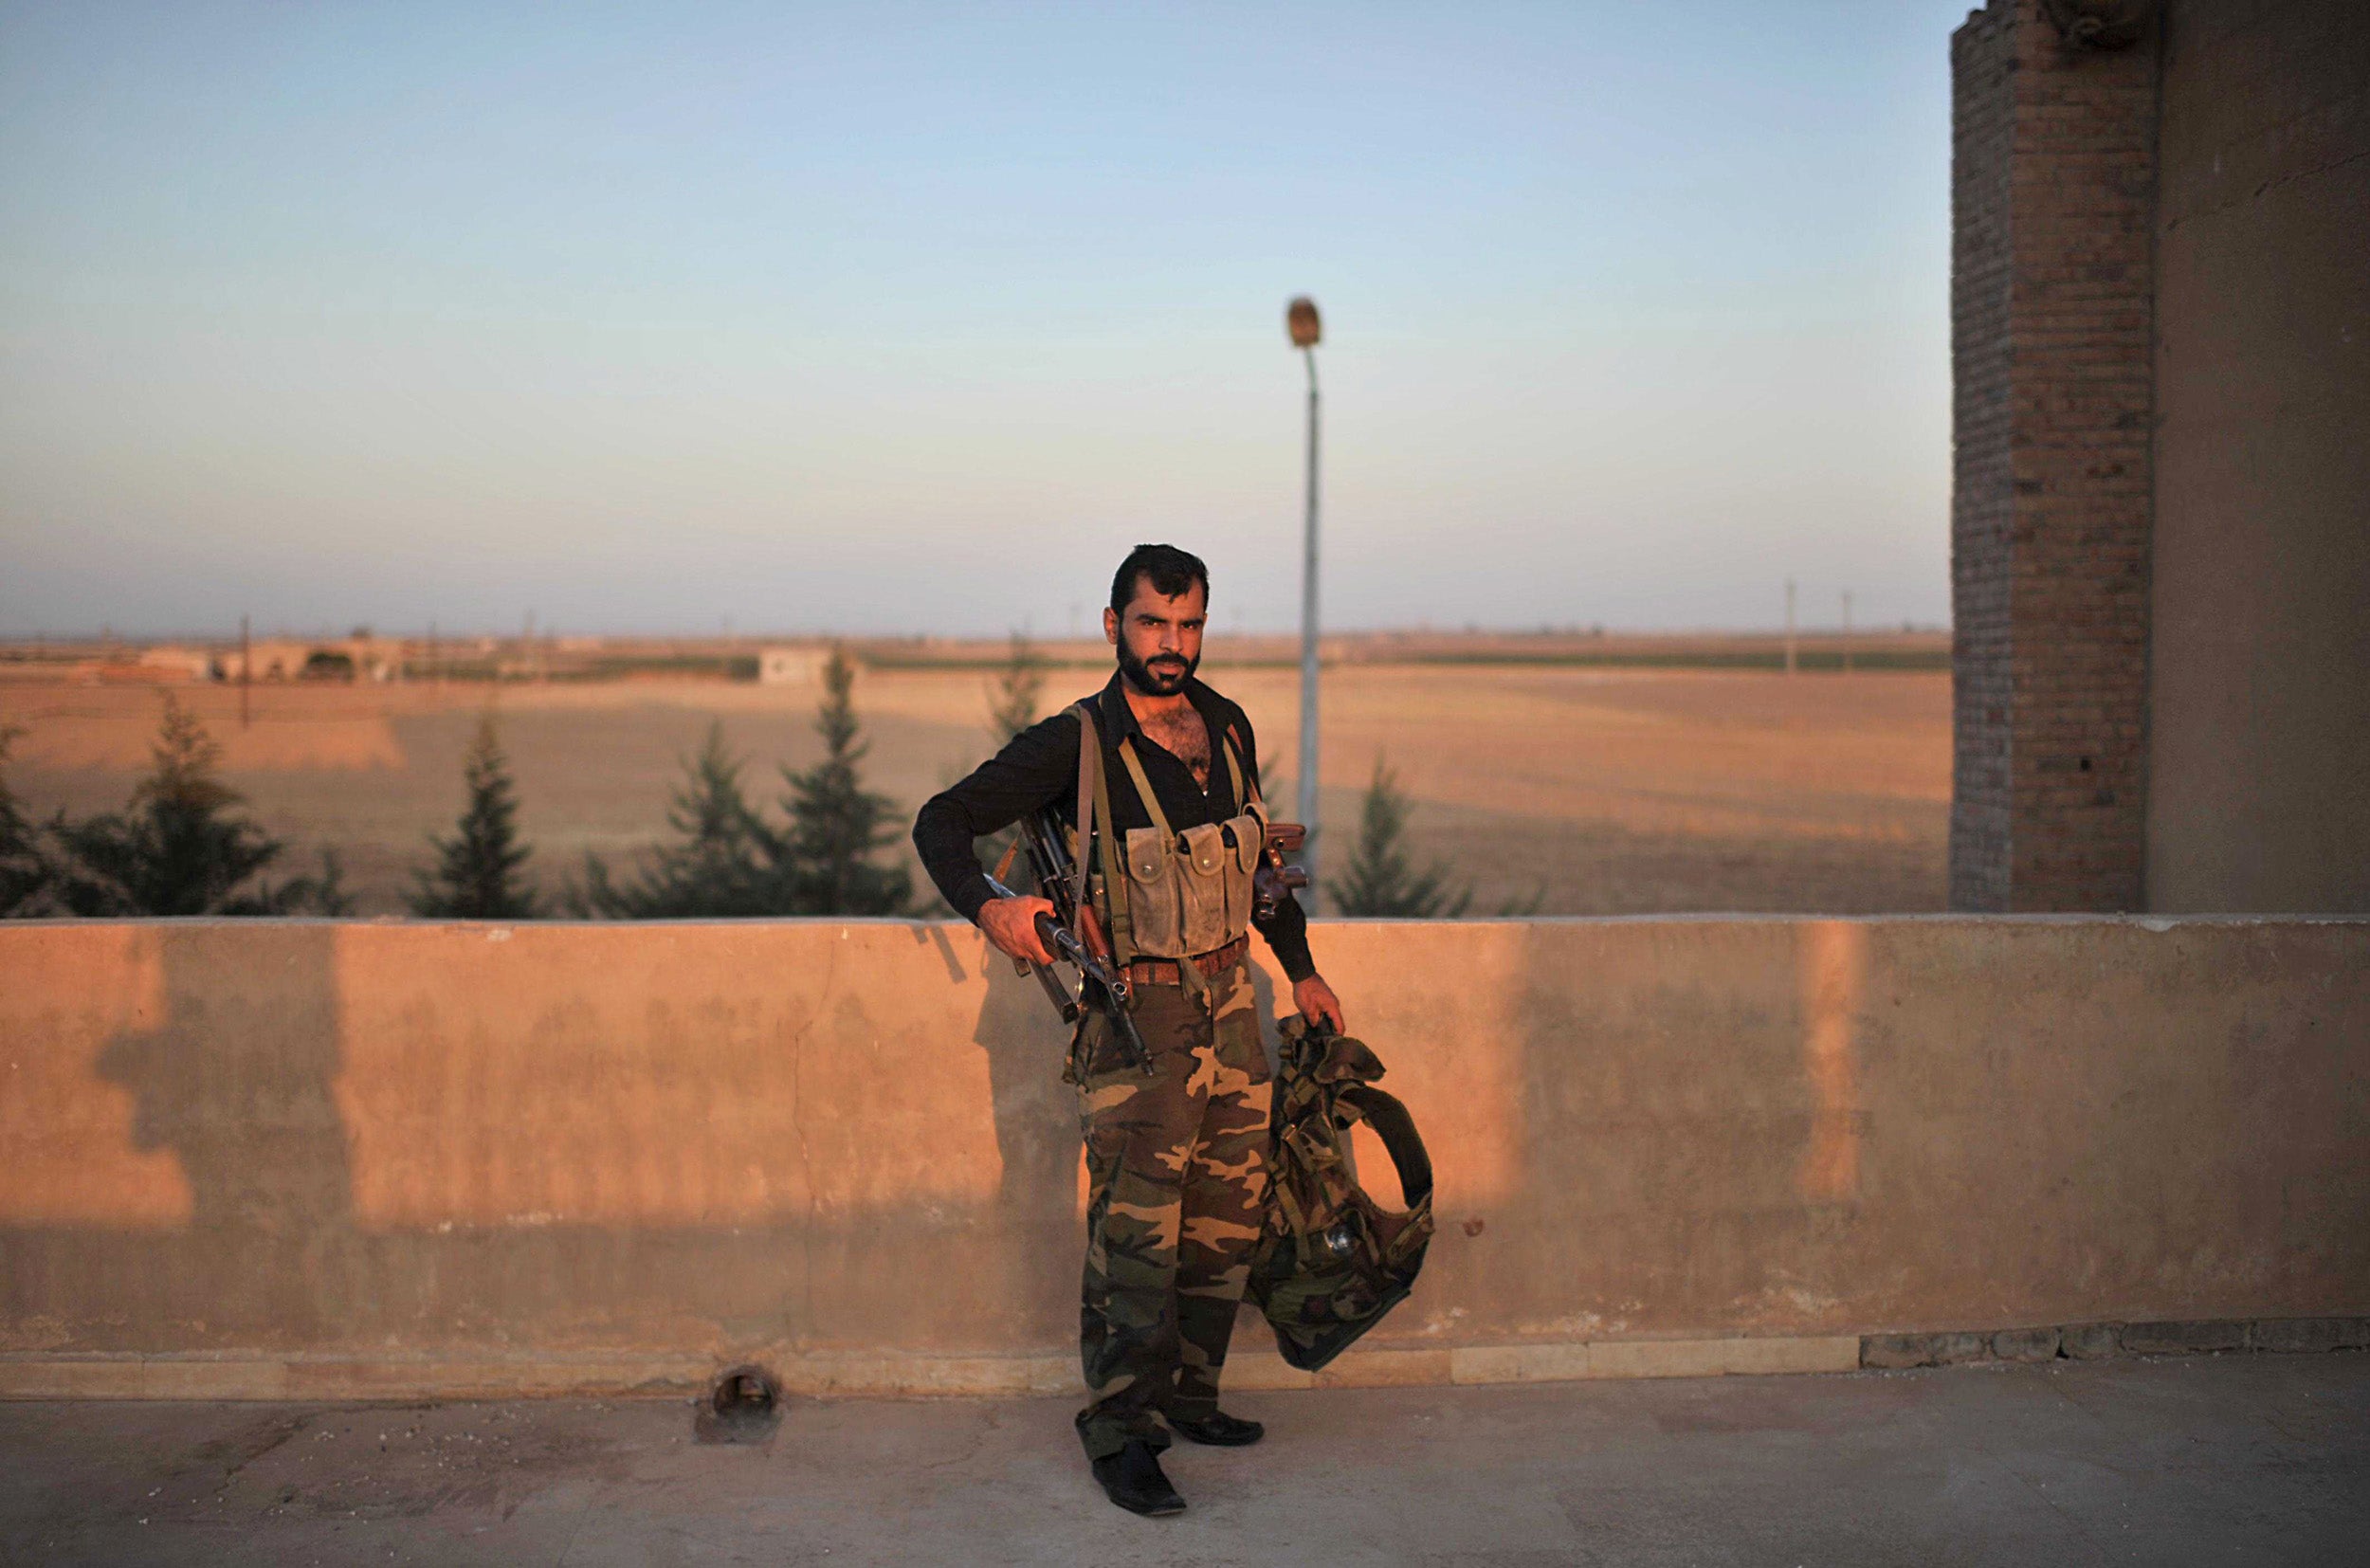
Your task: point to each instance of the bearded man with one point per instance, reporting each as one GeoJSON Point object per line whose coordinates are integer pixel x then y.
{"type": "Point", "coordinates": [1176, 1157]}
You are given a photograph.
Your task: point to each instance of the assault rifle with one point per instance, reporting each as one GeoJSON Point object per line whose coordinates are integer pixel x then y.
{"type": "Point", "coordinates": [1101, 984]}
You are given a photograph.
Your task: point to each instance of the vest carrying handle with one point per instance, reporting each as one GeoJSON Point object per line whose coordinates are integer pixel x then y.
{"type": "Point", "coordinates": [1397, 1130]}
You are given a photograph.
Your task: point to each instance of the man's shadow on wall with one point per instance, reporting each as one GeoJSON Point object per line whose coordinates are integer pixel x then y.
{"type": "Point", "coordinates": [236, 1077]}
{"type": "Point", "coordinates": [1036, 1233]}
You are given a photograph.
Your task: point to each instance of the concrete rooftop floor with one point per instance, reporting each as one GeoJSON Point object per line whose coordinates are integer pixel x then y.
{"type": "Point", "coordinates": [2222, 1460]}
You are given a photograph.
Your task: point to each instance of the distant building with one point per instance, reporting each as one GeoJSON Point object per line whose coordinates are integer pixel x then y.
{"type": "Point", "coordinates": [264, 659]}
{"type": "Point", "coordinates": [375, 658]}
{"type": "Point", "coordinates": [330, 658]}
{"type": "Point", "coordinates": [790, 666]}
{"type": "Point", "coordinates": [170, 662]}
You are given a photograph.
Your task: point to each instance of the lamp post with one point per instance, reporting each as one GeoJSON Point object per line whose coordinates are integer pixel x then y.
{"type": "Point", "coordinates": [1301, 320]}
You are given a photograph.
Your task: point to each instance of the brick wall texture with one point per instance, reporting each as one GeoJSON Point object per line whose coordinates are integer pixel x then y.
{"type": "Point", "coordinates": [2052, 190]}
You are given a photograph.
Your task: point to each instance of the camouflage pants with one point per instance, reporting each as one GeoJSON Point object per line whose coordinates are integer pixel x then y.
{"type": "Point", "coordinates": [1177, 1162]}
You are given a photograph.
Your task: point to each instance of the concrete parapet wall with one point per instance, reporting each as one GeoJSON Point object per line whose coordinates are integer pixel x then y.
{"type": "Point", "coordinates": [249, 1156]}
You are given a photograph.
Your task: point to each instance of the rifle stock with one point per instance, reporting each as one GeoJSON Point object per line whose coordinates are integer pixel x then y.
{"type": "Point", "coordinates": [1274, 882]}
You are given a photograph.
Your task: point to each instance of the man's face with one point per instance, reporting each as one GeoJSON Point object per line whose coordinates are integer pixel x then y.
{"type": "Point", "coordinates": [1159, 638]}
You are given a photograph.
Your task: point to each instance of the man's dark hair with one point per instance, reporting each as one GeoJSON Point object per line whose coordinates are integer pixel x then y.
{"type": "Point", "coordinates": [1172, 571]}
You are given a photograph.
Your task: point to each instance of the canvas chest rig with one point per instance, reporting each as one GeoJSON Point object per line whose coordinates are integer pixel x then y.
{"type": "Point", "coordinates": [1164, 894]}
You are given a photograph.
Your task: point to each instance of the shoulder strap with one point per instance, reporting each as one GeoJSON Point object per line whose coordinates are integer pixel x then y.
{"type": "Point", "coordinates": [1089, 750]}
{"type": "Point", "coordinates": [1144, 791]}
{"type": "Point", "coordinates": [1094, 801]}
{"type": "Point", "coordinates": [1242, 802]}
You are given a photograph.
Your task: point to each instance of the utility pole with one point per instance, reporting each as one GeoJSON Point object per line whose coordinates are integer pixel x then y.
{"type": "Point", "coordinates": [246, 669]}
{"type": "Point", "coordinates": [1789, 626]}
{"type": "Point", "coordinates": [1307, 331]}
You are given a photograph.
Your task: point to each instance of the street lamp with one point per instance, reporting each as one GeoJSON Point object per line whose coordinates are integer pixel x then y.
{"type": "Point", "coordinates": [1300, 320]}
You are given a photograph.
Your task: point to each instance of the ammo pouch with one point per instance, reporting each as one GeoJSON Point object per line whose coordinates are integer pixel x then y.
{"type": "Point", "coordinates": [1189, 892]}
{"type": "Point", "coordinates": [1330, 1261]}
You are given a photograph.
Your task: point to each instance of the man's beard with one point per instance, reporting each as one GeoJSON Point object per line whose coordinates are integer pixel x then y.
{"type": "Point", "coordinates": [1166, 680]}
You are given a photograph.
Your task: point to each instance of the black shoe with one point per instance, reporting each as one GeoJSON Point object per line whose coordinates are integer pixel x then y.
{"type": "Point", "coordinates": [1132, 1479]}
{"type": "Point", "coordinates": [1220, 1428]}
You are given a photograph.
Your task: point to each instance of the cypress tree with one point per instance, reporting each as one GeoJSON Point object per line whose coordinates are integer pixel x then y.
{"type": "Point", "coordinates": [1381, 881]}
{"type": "Point", "coordinates": [1018, 687]}
{"type": "Point", "coordinates": [477, 873]}
{"type": "Point", "coordinates": [1013, 699]}
{"type": "Point", "coordinates": [713, 870]}
{"type": "Point", "coordinates": [27, 876]}
{"type": "Point", "coordinates": [182, 848]}
{"type": "Point", "coordinates": [324, 894]}
{"type": "Point", "coordinates": [823, 864]}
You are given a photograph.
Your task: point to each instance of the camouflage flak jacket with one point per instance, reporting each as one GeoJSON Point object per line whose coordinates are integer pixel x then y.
{"type": "Point", "coordinates": [1331, 1261]}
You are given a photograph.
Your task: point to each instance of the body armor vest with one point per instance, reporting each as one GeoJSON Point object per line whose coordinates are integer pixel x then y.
{"type": "Point", "coordinates": [1330, 1261]}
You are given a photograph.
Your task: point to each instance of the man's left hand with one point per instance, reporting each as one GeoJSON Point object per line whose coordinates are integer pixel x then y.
{"type": "Point", "coordinates": [1318, 1004]}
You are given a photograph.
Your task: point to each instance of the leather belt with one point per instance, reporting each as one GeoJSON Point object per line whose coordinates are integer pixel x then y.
{"type": "Point", "coordinates": [1211, 964]}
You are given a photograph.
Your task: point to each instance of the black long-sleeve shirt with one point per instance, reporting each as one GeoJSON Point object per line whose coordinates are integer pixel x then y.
{"type": "Point", "coordinates": [1040, 767]}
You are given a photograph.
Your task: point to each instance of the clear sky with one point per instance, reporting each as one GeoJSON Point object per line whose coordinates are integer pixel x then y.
{"type": "Point", "coordinates": [644, 317]}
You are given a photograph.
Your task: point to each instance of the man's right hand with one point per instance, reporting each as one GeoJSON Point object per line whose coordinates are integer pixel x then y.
{"type": "Point", "coordinates": [1012, 925]}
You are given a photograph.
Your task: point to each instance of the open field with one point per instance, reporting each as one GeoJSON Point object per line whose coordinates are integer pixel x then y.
{"type": "Point", "coordinates": [548, 658]}
{"type": "Point", "coordinates": [1597, 789]}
